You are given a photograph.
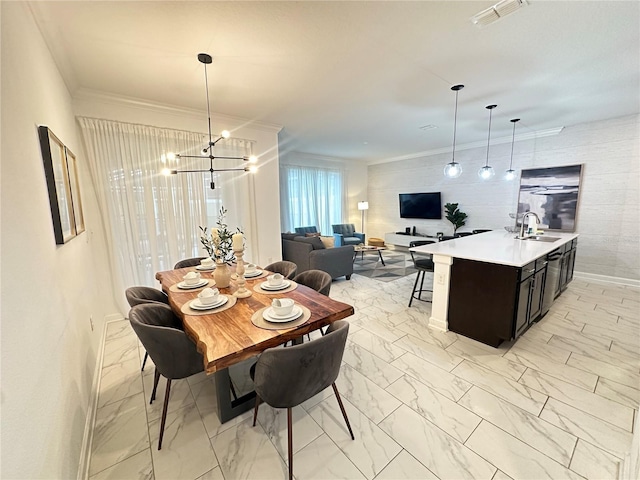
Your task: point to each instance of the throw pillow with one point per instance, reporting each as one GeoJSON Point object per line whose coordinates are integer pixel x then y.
{"type": "Point", "coordinates": [328, 242]}
{"type": "Point", "coordinates": [315, 242]}
{"type": "Point", "coordinates": [315, 234]}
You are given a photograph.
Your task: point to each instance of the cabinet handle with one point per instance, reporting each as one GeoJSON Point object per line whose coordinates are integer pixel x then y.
{"type": "Point", "coordinates": [530, 271]}
{"type": "Point", "coordinates": [544, 263]}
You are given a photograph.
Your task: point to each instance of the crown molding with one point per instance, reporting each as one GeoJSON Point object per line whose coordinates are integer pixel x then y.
{"type": "Point", "coordinates": [84, 94]}
{"type": "Point", "coordinates": [467, 146]}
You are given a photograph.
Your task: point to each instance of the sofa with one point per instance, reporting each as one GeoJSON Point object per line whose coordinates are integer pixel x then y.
{"type": "Point", "coordinates": [302, 231]}
{"type": "Point", "coordinates": [309, 253]}
{"type": "Point", "coordinates": [345, 234]}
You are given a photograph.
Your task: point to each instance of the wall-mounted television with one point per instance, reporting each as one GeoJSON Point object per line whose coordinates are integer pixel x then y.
{"type": "Point", "coordinates": [421, 205]}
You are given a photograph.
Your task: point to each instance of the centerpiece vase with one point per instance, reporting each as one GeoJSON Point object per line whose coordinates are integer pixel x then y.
{"type": "Point", "coordinates": [222, 275]}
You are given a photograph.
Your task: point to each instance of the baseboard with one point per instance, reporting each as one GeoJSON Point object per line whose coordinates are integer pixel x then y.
{"type": "Point", "coordinates": [438, 324]}
{"type": "Point", "coordinates": [607, 279]}
{"type": "Point", "coordinates": [87, 439]}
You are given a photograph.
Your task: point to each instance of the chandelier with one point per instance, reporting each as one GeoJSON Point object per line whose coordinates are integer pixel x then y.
{"type": "Point", "coordinates": [207, 151]}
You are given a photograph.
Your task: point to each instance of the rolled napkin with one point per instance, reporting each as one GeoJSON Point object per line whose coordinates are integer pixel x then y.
{"type": "Point", "coordinates": [191, 278]}
{"type": "Point", "coordinates": [209, 295]}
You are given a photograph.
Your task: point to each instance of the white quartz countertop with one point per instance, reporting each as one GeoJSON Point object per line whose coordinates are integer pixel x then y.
{"type": "Point", "coordinates": [497, 247]}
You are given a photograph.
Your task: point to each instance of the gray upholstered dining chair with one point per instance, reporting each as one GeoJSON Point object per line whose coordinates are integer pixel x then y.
{"type": "Point", "coordinates": [286, 269]}
{"type": "Point", "coordinates": [173, 353]}
{"type": "Point", "coordinates": [286, 377]}
{"type": "Point", "coordinates": [317, 279]}
{"type": "Point", "coordinates": [423, 263]}
{"type": "Point", "coordinates": [188, 262]}
{"type": "Point", "coordinates": [137, 295]}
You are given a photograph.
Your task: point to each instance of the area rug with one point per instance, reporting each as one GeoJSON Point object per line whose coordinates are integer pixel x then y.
{"type": "Point", "coordinates": [397, 265]}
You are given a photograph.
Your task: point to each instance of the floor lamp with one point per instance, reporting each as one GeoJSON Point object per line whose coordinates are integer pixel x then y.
{"type": "Point", "coordinates": [362, 206]}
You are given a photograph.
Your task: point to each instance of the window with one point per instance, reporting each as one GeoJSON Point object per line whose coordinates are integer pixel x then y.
{"type": "Point", "coordinates": [311, 196]}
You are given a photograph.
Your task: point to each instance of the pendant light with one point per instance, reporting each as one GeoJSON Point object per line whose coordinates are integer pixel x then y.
{"type": "Point", "coordinates": [487, 172]}
{"type": "Point", "coordinates": [511, 173]}
{"type": "Point", "coordinates": [453, 169]}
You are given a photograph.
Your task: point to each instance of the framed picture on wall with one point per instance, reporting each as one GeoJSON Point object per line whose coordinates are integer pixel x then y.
{"type": "Point", "coordinates": [552, 193]}
{"type": "Point", "coordinates": [61, 175]}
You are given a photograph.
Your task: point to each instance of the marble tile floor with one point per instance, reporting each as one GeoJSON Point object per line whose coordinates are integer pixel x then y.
{"type": "Point", "coordinates": [558, 403]}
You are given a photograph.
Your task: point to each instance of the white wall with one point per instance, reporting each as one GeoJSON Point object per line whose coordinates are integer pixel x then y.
{"type": "Point", "coordinates": [266, 180]}
{"type": "Point", "coordinates": [356, 175]}
{"type": "Point", "coordinates": [608, 218]}
{"type": "Point", "coordinates": [48, 291]}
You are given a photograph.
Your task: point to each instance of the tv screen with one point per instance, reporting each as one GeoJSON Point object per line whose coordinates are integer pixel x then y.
{"type": "Point", "coordinates": [421, 205]}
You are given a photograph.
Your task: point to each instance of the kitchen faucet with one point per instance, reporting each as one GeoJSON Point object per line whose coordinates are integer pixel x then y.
{"type": "Point", "coordinates": [526, 215]}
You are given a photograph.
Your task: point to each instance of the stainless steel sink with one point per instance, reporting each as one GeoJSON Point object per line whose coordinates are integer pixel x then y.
{"type": "Point", "coordinates": [541, 238]}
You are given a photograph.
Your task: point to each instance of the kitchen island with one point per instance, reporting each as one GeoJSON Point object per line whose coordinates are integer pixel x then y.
{"type": "Point", "coordinates": [492, 286]}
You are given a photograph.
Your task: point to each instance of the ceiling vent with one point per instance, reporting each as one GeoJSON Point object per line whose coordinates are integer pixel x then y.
{"type": "Point", "coordinates": [497, 11]}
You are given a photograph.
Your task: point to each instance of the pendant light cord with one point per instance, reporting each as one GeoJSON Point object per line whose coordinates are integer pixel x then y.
{"type": "Point", "coordinates": [490, 107]}
{"type": "Point", "coordinates": [513, 139]}
{"type": "Point", "coordinates": [455, 124]}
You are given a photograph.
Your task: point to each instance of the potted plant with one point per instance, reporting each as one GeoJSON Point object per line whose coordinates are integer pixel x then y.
{"type": "Point", "coordinates": [219, 246]}
{"type": "Point", "coordinates": [455, 216]}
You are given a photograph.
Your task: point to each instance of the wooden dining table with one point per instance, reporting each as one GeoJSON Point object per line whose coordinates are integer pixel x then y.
{"type": "Point", "coordinates": [228, 336]}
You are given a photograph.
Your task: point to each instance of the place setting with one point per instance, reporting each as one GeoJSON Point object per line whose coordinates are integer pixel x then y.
{"type": "Point", "coordinates": [206, 265]}
{"type": "Point", "coordinates": [192, 281]}
{"type": "Point", "coordinates": [252, 272]}
{"type": "Point", "coordinates": [275, 283]}
{"type": "Point", "coordinates": [282, 313]}
{"type": "Point", "coordinates": [207, 300]}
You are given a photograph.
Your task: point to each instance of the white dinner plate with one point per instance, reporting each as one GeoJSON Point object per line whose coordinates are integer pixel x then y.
{"type": "Point", "coordinates": [256, 273]}
{"type": "Point", "coordinates": [270, 316]}
{"type": "Point", "coordinates": [197, 305]}
{"type": "Point", "coordinates": [201, 283]}
{"type": "Point", "coordinates": [206, 269]}
{"type": "Point", "coordinates": [282, 286]}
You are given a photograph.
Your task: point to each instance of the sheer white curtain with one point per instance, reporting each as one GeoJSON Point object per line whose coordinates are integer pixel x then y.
{"type": "Point", "coordinates": [152, 220]}
{"type": "Point", "coordinates": [311, 196]}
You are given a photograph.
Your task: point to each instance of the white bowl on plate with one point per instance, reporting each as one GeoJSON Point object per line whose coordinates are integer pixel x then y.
{"type": "Point", "coordinates": [207, 262]}
{"type": "Point", "coordinates": [209, 296]}
{"type": "Point", "coordinates": [191, 278]}
{"type": "Point", "coordinates": [282, 306]}
{"type": "Point", "coordinates": [275, 280]}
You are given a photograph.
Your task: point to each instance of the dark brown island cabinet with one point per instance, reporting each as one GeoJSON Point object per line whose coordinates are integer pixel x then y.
{"type": "Point", "coordinates": [492, 303]}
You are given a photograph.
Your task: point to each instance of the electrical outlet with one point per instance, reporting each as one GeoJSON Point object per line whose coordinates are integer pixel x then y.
{"type": "Point", "coordinates": [440, 279]}
{"type": "Point", "coordinates": [91, 322]}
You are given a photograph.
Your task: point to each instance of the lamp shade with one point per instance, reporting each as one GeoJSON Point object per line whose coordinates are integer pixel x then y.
{"type": "Point", "coordinates": [363, 205]}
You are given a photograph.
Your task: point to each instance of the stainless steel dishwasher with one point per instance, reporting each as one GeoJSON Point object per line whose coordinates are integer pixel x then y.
{"type": "Point", "coordinates": [552, 279]}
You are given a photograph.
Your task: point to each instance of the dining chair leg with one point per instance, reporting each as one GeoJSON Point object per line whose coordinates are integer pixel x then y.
{"type": "Point", "coordinates": [421, 286]}
{"type": "Point", "coordinates": [344, 412]}
{"type": "Point", "coordinates": [255, 409]}
{"type": "Point", "coordinates": [164, 412]}
{"type": "Point", "coordinates": [415, 284]}
{"type": "Point", "coordinates": [156, 379]}
{"type": "Point", "coordinates": [290, 431]}
{"type": "Point", "coordinates": [144, 360]}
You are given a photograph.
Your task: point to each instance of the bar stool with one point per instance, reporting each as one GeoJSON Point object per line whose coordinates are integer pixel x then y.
{"type": "Point", "coordinates": [423, 265]}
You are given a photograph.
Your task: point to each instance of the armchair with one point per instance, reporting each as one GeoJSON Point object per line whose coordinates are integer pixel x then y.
{"type": "Point", "coordinates": [345, 234]}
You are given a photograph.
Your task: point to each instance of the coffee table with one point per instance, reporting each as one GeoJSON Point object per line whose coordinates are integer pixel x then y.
{"type": "Point", "coordinates": [368, 249]}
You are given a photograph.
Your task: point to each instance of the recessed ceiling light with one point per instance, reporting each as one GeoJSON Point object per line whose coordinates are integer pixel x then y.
{"type": "Point", "coordinates": [497, 11]}
{"type": "Point", "coordinates": [427, 127]}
